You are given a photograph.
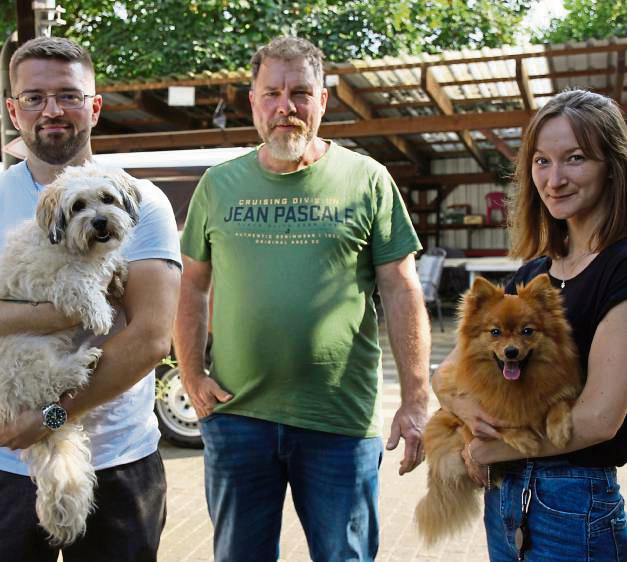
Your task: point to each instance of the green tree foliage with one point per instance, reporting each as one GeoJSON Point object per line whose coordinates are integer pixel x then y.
{"type": "Point", "coordinates": [155, 38]}
{"type": "Point", "coordinates": [7, 18]}
{"type": "Point", "coordinates": [586, 19]}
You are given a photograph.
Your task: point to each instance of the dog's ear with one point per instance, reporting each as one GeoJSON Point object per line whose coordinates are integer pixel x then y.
{"type": "Point", "coordinates": [482, 290]}
{"type": "Point", "coordinates": [131, 196]}
{"type": "Point", "coordinates": [539, 289]}
{"type": "Point", "coordinates": [50, 217]}
{"type": "Point", "coordinates": [480, 293]}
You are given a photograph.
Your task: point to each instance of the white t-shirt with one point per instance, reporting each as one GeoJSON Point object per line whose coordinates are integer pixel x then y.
{"type": "Point", "coordinates": [125, 429]}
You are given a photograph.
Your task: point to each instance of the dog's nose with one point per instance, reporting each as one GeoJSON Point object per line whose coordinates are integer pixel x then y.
{"type": "Point", "coordinates": [99, 223]}
{"type": "Point", "coordinates": [511, 352]}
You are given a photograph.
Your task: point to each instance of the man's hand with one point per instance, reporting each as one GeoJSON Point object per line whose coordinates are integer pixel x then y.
{"type": "Point", "coordinates": [205, 393]}
{"type": "Point", "coordinates": [24, 431]}
{"type": "Point", "coordinates": [408, 423]}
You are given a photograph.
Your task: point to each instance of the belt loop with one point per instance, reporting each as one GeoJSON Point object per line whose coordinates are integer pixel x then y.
{"type": "Point", "coordinates": [528, 473]}
{"type": "Point", "coordinates": [610, 477]}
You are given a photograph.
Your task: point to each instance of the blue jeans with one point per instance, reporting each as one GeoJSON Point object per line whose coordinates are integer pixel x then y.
{"type": "Point", "coordinates": [334, 481]}
{"type": "Point", "coordinates": [576, 514]}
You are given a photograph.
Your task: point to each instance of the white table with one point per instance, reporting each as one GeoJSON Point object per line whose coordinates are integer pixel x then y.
{"type": "Point", "coordinates": [475, 266]}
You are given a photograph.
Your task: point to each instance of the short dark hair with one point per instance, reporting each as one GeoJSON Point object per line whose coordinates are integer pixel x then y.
{"type": "Point", "coordinates": [54, 48]}
{"type": "Point", "coordinates": [287, 49]}
{"type": "Point", "coordinates": [599, 127]}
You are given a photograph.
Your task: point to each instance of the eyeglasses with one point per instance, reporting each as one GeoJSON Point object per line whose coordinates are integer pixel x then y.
{"type": "Point", "coordinates": [34, 100]}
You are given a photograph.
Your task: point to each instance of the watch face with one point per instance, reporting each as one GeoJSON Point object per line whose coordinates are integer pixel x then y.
{"type": "Point", "coordinates": [54, 416]}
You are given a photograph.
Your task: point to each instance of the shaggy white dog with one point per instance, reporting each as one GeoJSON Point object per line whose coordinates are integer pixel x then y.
{"type": "Point", "coordinates": [70, 256]}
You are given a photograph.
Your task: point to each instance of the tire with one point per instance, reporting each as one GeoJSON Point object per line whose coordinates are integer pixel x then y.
{"type": "Point", "coordinates": [178, 422]}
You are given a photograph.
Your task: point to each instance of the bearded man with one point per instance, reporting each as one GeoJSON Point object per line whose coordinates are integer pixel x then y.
{"type": "Point", "coordinates": [54, 105]}
{"type": "Point", "coordinates": [293, 236]}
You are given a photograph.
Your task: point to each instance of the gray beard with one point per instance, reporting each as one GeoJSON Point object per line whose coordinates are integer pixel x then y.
{"type": "Point", "coordinates": [291, 149]}
{"type": "Point", "coordinates": [57, 153]}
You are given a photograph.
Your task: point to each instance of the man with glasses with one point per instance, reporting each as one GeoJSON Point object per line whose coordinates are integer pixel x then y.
{"type": "Point", "coordinates": [54, 106]}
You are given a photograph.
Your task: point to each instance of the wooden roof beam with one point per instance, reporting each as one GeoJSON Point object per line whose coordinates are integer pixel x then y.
{"type": "Point", "coordinates": [500, 145]}
{"type": "Point", "coordinates": [442, 101]}
{"type": "Point", "coordinates": [402, 172]}
{"type": "Point", "coordinates": [534, 53]}
{"type": "Point", "coordinates": [619, 77]}
{"type": "Point", "coordinates": [493, 80]}
{"type": "Point", "coordinates": [347, 95]}
{"type": "Point", "coordinates": [237, 136]}
{"type": "Point", "coordinates": [159, 109]}
{"type": "Point", "coordinates": [522, 79]}
{"type": "Point", "coordinates": [444, 193]}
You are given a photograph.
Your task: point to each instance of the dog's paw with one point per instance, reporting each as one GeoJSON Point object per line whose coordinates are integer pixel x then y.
{"type": "Point", "coordinates": [99, 321]}
{"type": "Point", "coordinates": [559, 424]}
{"type": "Point", "coordinates": [91, 356]}
{"type": "Point", "coordinates": [522, 440]}
{"type": "Point", "coordinates": [115, 290]}
{"type": "Point", "coordinates": [116, 286]}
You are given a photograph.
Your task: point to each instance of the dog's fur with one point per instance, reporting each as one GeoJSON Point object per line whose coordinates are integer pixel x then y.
{"type": "Point", "coordinates": [70, 256]}
{"type": "Point", "coordinates": [518, 360]}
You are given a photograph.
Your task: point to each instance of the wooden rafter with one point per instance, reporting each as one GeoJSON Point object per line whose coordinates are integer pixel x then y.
{"type": "Point", "coordinates": [492, 80]}
{"type": "Point", "coordinates": [500, 145]}
{"type": "Point", "coordinates": [346, 93]}
{"type": "Point", "coordinates": [539, 52]}
{"type": "Point", "coordinates": [619, 77]}
{"type": "Point", "coordinates": [237, 136]}
{"type": "Point", "coordinates": [456, 101]}
{"type": "Point", "coordinates": [483, 99]}
{"type": "Point", "coordinates": [522, 79]}
{"type": "Point", "coordinates": [442, 101]}
{"type": "Point", "coordinates": [403, 172]}
{"type": "Point", "coordinates": [159, 109]}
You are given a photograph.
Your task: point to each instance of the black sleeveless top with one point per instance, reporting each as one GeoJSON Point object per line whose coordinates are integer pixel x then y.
{"type": "Point", "coordinates": [587, 298]}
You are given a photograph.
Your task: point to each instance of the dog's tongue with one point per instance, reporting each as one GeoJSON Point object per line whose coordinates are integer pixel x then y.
{"type": "Point", "coordinates": [511, 370]}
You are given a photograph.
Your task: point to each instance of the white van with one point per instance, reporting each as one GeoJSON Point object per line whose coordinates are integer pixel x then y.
{"type": "Point", "coordinates": [176, 173]}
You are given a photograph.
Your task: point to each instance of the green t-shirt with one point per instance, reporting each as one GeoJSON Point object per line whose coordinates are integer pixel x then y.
{"type": "Point", "coordinates": [295, 335]}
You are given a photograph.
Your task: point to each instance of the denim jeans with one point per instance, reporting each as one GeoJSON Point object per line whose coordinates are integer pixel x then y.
{"type": "Point", "coordinates": [576, 514]}
{"type": "Point", "coordinates": [334, 480]}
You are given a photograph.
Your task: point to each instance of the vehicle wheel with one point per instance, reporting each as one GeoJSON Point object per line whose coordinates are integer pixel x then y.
{"type": "Point", "coordinates": [177, 418]}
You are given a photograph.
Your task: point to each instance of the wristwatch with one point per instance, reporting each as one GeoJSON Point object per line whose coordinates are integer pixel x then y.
{"type": "Point", "coordinates": [54, 415]}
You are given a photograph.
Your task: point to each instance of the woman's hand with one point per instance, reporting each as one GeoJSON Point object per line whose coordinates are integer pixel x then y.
{"type": "Point", "coordinates": [481, 424]}
{"type": "Point", "coordinates": [478, 473]}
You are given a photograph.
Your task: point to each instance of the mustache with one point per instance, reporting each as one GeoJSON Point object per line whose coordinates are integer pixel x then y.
{"type": "Point", "coordinates": [48, 122]}
{"type": "Point", "coordinates": [289, 121]}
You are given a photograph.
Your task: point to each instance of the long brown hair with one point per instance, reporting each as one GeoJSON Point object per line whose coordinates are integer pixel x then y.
{"type": "Point", "coordinates": [599, 127]}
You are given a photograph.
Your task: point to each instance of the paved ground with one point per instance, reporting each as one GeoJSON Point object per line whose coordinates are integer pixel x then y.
{"type": "Point", "coordinates": [188, 533]}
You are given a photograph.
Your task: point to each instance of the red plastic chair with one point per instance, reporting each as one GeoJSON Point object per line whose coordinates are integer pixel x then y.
{"type": "Point", "coordinates": [495, 201]}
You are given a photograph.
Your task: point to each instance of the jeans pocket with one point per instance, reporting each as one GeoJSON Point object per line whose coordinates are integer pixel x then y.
{"type": "Point", "coordinates": [603, 515]}
{"type": "Point", "coordinates": [565, 497]}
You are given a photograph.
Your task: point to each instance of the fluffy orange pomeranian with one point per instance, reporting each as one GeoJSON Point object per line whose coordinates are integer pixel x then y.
{"type": "Point", "coordinates": [518, 360]}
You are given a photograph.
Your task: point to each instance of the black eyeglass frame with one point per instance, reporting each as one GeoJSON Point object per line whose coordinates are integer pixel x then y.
{"type": "Point", "coordinates": [56, 95]}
